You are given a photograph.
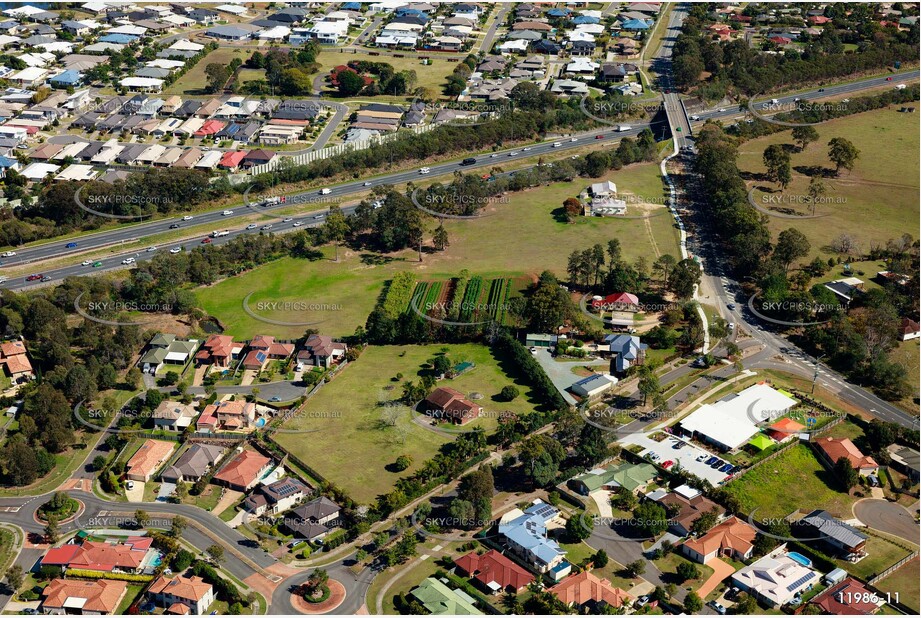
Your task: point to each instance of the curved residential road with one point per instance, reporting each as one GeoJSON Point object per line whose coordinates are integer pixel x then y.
{"type": "Point", "coordinates": [356, 588]}
{"type": "Point", "coordinates": [889, 517]}
{"type": "Point", "coordinates": [138, 231]}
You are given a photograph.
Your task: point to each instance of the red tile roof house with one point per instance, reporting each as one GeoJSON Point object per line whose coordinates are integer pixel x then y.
{"type": "Point", "coordinates": [833, 449]}
{"type": "Point", "coordinates": [194, 593]}
{"type": "Point", "coordinates": [210, 127]}
{"type": "Point", "coordinates": [82, 598]}
{"type": "Point", "coordinates": [733, 539]}
{"type": "Point", "coordinates": [447, 403]}
{"type": "Point", "coordinates": [494, 572]}
{"type": "Point", "coordinates": [619, 301]}
{"type": "Point", "coordinates": [263, 348]}
{"type": "Point", "coordinates": [147, 459]}
{"type": "Point", "coordinates": [127, 557]}
{"type": "Point", "coordinates": [846, 598]}
{"type": "Point", "coordinates": [232, 415]}
{"type": "Point", "coordinates": [232, 160]}
{"type": "Point", "coordinates": [321, 351]}
{"type": "Point", "coordinates": [588, 590]}
{"type": "Point", "coordinates": [243, 471]}
{"type": "Point", "coordinates": [15, 362]}
{"type": "Point", "coordinates": [219, 350]}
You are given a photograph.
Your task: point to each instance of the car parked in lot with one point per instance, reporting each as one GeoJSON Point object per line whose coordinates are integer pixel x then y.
{"type": "Point", "coordinates": [668, 464]}
{"type": "Point", "coordinates": [727, 468]}
{"type": "Point", "coordinates": [719, 609]}
{"type": "Point", "coordinates": [712, 460]}
{"type": "Point", "coordinates": [703, 457]}
{"type": "Point", "coordinates": [716, 465]}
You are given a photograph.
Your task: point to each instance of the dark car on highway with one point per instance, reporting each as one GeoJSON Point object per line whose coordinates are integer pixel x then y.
{"type": "Point", "coordinates": [71, 245]}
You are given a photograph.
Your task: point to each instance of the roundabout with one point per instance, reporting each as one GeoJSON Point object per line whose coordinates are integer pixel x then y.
{"type": "Point", "coordinates": [334, 593]}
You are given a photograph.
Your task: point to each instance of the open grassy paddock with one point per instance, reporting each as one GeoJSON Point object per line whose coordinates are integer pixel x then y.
{"type": "Point", "coordinates": [876, 201]}
{"type": "Point", "coordinates": [431, 76]}
{"type": "Point", "coordinates": [194, 81]}
{"type": "Point", "coordinates": [905, 582]}
{"type": "Point", "coordinates": [768, 487]}
{"type": "Point", "coordinates": [512, 241]}
{"type": "Point", "coordinates": [356, 438]}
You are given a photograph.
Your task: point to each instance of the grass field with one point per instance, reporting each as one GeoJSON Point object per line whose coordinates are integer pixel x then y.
{"type": "Point", "coordinates": [430, 76]}
{"type": "Point", "coordinates": [194, 81]}
{"type": "Point", "coordinates": [512, 241]}
{"type": "Point", "coordinates": [905, 582]}
{"type": "Point", "coordinates": [874, 202]}
{"type": "Point", "coordinates": [883, 555]}
{"type": "Point", "coordinates": [767, 488]}
{"type": "Point", "coordinates": [355, 441]}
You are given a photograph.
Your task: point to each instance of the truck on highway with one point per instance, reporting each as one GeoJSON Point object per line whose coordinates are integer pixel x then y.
{"type": "Point", "coordinates": [271, 201]}
{"type": "Point", "coordinates": [219, 233]}
{"type": "Point", "coordinates": [900, 87]}
{"type": "Point", "coordinates": [623, 127]}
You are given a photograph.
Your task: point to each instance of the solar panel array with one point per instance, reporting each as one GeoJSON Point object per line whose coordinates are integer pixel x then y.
{"type": "Point", "coordinates": [802, 580]}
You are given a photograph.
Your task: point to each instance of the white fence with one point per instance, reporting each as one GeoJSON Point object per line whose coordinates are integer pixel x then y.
{"type": "Point", "coordinates": [331, 151]}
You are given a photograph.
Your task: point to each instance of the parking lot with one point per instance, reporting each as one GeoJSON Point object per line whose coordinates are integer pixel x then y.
{"type": "Point", "coordinates": [686, 456]}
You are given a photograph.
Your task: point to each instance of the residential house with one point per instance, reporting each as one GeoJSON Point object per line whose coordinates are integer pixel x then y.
{"type": "Point", "coordinates": [313, 520]}
{"type": "Point", "coordinates": [618, 301]}
{"type": "Point", "coordinates": [166, 349]}
{"type": "Point", "coordinates": [83, 598]}
{"type": "Point", "coordinates": [173, 415]}
{"type": "Point", "coordinates": [626, 351]}
{"type": "Point", "coordinates": [192, 594]}
{"type": "Point", "coordinates": [15, 362]}
{"type": "Point", "coordinates": [569, 87]}
{"type": "Point", "coordinates": [525, 534]}
{"type": "Point", "coordinates": [447, 403]}
{"type": "Point", "coordinates": [909, 329]}
{"type": "Point", "coordinates": [846, 288]}
{"type": "Point", "coordinates": [231, 415]}
{"type": "Point", "coordinates": [440, 600]}
{"type": "Point", "coordinates": [593, 386]}
{"type": "Point", "coordinates": [257, 157]}
{"type": "Point", "coordinates": [733, 539]}
{"type": "Point", "coordinates": [905, 460]}
{"type": "Point", "coordinates": [321, 351]}
{"type": "Point", "coordinates": [833, 449]}
{"type": "Point", "coordinates": [277, 497]}
{"type": "Point", "coordinates": [263, 348]}
{"type": "Point", "coordinates": [687, 504]}
{"type": "Point", "coordinates": [589, 593]}
{"type": "Point", "coordinates": [145, 462]}
{"type": "Point", "coordinates": [129, 556]}
{"type": "Point", "coordinates": [193, 464]}
{"type": "Point", "coordinates": [243, 471]}
{"type": "Point", "coordinates": [631, 477]}
{"type": "Point", "coordinates": [842, 538]}
{"type": "Point", "coordinates": [775, 579]}
{"type": "Point", "coordinates": [493, 572]}
{"type": "Point", "coordinates": [219, 350]}
{"type": "Point", "coordinates": [849, 597]}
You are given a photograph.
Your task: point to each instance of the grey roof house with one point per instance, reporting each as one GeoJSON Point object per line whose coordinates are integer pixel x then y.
{"type": "Point", "coordinates": [193, 464]}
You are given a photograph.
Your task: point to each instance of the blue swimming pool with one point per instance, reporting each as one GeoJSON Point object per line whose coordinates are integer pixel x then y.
{"type": "Point", "coordinates": [260, 422]}
{"type": "Point", "coordinates": [803, 560]}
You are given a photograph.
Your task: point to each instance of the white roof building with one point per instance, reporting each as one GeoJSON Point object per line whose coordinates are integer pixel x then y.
{"type": "Point", "coordinates": [150, 84]}
{"type": "Point", "coordinates": [150, 155]}
{"type": "Point", "coordinates": [163, 63]}
{"type": "Point", "coordinates": [775, 579]}
{"type": "Point", "coordinates": [732, 421]}
{"type": "Point", "coordinates": [233, 9]}
{"type": "Point", "coordinates": [184, 45]}
{"type": "Point", "coordinates": [110, 150]}
{"type": "Point", "coordinates": [31, 75]}
{"type": "Point", "coordinates": [78, 172]}
{"type": "Point", "coordinates": [70, 150]}
{"type": "Point", "coordinates": [38, 171]}
{"type": "Point", "coordinates": [278, 33]}
{"type": "Point", "coordinates": [210, 160]}
{"type": "Point", "coordinates": [37, 59]}
{"type": "Point", "coordinates": [130, 30]}
{"type": "Point", "coordinates": [23, 11]}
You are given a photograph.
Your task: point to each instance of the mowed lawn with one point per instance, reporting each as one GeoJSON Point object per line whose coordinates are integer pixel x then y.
{"type": "Point", "coordinates": [874, 202]}
{"type": "Point", "coordinates": [355, 440]}
{"type": "Point", "coordinates": [769, 488]}
{"type": "Point", "coordinates": [431, 76]}
{"type": "Point", "coordinates": [194, 81]}
{"type": "Point", "coordinates": [520, 237]}
{"type": "Point", "coordinates": [906, 582]}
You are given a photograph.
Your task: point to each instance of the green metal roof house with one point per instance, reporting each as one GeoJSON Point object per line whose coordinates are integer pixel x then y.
{"type": "Point", "coordinates": [626, 475]}
{"type": "Point", "coordinates": [440, 600]}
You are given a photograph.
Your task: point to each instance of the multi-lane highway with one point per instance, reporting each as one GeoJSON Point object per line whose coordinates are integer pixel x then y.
{"type": "Point", "coordinates": [137, 232]}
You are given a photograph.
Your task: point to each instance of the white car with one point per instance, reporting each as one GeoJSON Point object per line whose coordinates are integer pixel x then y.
{"type": "Point", "coordinates": [129, 485]}
{"type": "Point", "coordinates": [4, 279]}
{"type": "Point", "coordinates": [514, 154]}
{"type": "Point", "coordinates": [703, 457]}
{"type": "Point", "coordinates": [175, 250]}
{"type": "Point", "coordinates": [695, 117]}
{"type": "Point", "coordinates": [732, 326]}
{"type": "Point", "coordinates": [86, 263]}
{"type": "Point", "coordinates": [574, 139]}
{"type": "Point", "coordinates": [227, 213]}
{"type": "Point", "coordinates": [526, 149]}
{"type": "Point", "coordinates": [494, 155]}
{"type": "Point", "coordinates": [288, 220]}
{"type": "Point", "coordinates": [187, 218]}
{"type": "Point", "coordinates": [722, 109]}
{"type": "Point", "coordinates": [367, 184]}
{"type": "Point", "coordinates": [297, 224]}
{"type": "Point", "coordinates": [267, 226]}
{"type": "Point", "coordinates": [151, 249]}
{"type": "Point", "coordinates": [251, 226]}
{"type": "Point", "coordinates": [654, 456]}
{"type": "Point", "coordinates": [8, 254]}
{"type": "Point", "coordinates": [320, 216]}
{"type": "Point", "coordinates": [128, 261]}
{"type": "Point", "coordinates": [424, 170]}
{"type": "Point", "coordinates": [325, 191]}
{"type": "Point", "coordinates": [557, 144]}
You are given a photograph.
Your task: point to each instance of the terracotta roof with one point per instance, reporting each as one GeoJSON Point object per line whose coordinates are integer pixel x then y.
{"type": "Point", "coordinates": [243, 469]}
{"type": "Point", "coordinates": [101, 596]}
{"type": "Point", "coordinates": [689, 510]}
{"type": "Point", "coordinates": [98, 556]}
{"type": "Point", "coordinates": [149, 457]}
{"type": "Point", "coordinates": [179, 609]}
{"type": "Point", "coordinates": [189, 588]}
{"type": "Point", "coordinates": [787, 425]}
{"type": "Point", "coordinates": [322, 345]}
{"type": "Point", "coordinates": [586, 587]}
{"type": "Point", "coordinates": [12, 348]}
{"type": "Point", "coordinates": [731, 534]}
{"type": "Point", "coordinates": [494, 567]}
{"type": "Point", "coordinates": [848, 598]}
{"type": "Point", "coordinates": [17, 364]}
{"type": "Point", "coordinates": [836, 448]}
{"type": "Point", "coordinates": [220, 346]}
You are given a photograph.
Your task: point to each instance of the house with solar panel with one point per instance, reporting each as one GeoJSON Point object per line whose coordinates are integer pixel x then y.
{"type": "Point", "coordinates": [276, 497]}
{"type": "Point", "coordinates": [778, 578]}
{"type": "Point", "coordinates": [841, 538]}
{"type": "Point", "coordinates": [525, 534]}
{"type": "Point", "coordinates": [264, 348]}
